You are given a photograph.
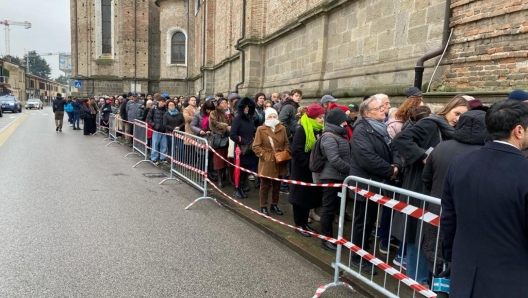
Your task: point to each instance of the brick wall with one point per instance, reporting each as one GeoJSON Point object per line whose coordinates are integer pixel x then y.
{"type": "Point", "coordinates": [488, 51]}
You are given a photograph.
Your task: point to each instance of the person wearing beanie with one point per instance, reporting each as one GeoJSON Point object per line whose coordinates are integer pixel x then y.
{"type": "Point", "coordinates": [305, 198]}
{"type": "Point", "coordinates": [336, 150]}
{"type": "Point", "coordinates": [350, 130]}
{"type": "Point", "coordinates": [519, 95]}
{"type": "Point", "coordinates": [373, 157]}
{"type": "Point", "coordinates": [269, 139]}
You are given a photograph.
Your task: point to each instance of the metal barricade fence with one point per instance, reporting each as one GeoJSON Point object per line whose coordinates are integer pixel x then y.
{"type": "Point", "coordinates": [100, 128]}
{"type": "Point", "coordinates": [112, 130]}
{"type": "Point", "coordinates": [139, 142]}
{"type": "Point", "coordinates": [190, 157]}
{"type": "Point", "coordinates": [406, 219]}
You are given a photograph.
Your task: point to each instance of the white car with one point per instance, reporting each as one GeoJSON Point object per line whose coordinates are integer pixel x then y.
{"type": "Point", "coordinates": [34, 103]}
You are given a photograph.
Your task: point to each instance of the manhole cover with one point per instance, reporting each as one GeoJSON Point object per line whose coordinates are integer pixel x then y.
{"type": "Point", "coordinates": [155, 175]}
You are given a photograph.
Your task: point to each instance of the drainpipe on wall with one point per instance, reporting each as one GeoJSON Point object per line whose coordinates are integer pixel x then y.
{"type": "Point", "coordinates": [187, 41]}
{"type": "Point", "coordinates": [135, 46]}
{"type": "Point", "coordinates": [242, 52]}
{"type": "Point", "coordinates": [419, 68]}
{"type": "Point", "coordinates": [202, 68]}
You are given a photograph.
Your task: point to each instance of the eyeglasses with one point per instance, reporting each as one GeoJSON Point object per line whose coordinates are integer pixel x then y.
{"type": "Point", "coordinates": [379, 109]}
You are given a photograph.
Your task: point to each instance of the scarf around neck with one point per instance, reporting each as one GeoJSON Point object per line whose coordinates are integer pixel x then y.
{"type": "Point", "coordinates": [380, 128]}
{"type": "Point", "coordinates": [310, 125]}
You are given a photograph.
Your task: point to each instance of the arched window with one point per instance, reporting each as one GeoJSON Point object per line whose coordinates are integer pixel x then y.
{"type": "Point", "coordinates": [178, 48]}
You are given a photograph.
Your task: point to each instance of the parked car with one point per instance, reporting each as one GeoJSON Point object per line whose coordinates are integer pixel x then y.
{"type": "Point", "coordinates": [34, 103]}
{"type": "Point", "coordinates": [10, 103]}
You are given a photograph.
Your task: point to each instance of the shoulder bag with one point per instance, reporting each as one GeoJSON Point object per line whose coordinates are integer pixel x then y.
{"type": "Point", "coordinates": [280, 157]}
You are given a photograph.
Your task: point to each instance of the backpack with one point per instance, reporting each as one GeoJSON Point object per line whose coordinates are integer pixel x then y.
{"type": "Point", "coordinates": [317, 158]}
{"type": "Point", "coordinates": [68, 108]}
{"type": "Point", "coordinates": [83, 114]}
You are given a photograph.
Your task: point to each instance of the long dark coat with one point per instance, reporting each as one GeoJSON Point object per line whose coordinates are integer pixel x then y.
{"type": "Point", "coordinates": [308, 197]}
{"type": "Point", "coordinates": [485, 222]}
{"type": "Point", "coordinates": [412, 144]}
{"type": "Point", "coordinates": [470, 135]}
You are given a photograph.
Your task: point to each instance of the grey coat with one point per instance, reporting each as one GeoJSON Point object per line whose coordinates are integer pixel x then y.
{"type": "Point", "coordinates": [336, 149]}
{"type": "Point", "coordinates": [132, 108]}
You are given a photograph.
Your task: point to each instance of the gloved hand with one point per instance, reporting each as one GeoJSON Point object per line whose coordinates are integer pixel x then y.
{"type": "Point", "coordinates": [447, 271]}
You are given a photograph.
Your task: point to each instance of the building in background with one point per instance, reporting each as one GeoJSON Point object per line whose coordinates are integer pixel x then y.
{"type": "Point", "coordinates": [347, 48]}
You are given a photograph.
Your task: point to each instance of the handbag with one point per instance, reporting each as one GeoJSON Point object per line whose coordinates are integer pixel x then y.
{"type": "Point", "coordinates": [247, 148]}
{"type": "Point", "coordinates": [280, 157]}
{"type": "Point", "coordinates": [219, 141]}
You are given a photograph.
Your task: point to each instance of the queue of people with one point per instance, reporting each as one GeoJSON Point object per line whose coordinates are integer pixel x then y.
{"type": "Point", "coordinates": [411, 147]}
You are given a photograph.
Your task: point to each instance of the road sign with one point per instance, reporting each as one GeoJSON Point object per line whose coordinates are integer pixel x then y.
{"type": "Point", "coordinates": [78, 85]}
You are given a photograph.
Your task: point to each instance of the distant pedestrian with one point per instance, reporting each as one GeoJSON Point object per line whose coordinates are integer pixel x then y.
{"type": "Point", "coordinates": [58, 110]}
{"type": "Point", "coordinates": [76, 112]}
{"type": "Point", "coordinates": [484, 210]}
{"type": "Point", "coordinates": [90, 109]}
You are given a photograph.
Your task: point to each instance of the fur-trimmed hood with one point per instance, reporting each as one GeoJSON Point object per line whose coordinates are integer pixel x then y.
{"type": "Point", "coordinates": [246, 101]}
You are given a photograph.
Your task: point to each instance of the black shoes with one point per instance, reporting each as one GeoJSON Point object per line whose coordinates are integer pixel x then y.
{"type": "Point", "coordinates": [264, 210]}
{"type": "Point", "coordinates": [276, 210]}
{"type": "Point", "coordinates": [304, 234]}
{"type": "Point", "coordinates": [57, 128]}
{"type": "Point", "coordinates": [238, 194]}
{"type": "Point", "coordinates": [308, 228]}
{"type": "Point", "coordinates": [365, 267]}
{"type": "Point", "coordinates": [245, 188]}
{"type": "Point", "coordinates": [331, 247]}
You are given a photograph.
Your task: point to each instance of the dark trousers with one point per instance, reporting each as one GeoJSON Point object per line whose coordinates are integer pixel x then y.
{"type": "Point", "coordinates": [265, 184]}
{"type": "Point", "coordinates": [360, 225]}
{"type": "Point", "coordinates": [330, 206]}
{"type": "Point", "coordinates": [300, 215]}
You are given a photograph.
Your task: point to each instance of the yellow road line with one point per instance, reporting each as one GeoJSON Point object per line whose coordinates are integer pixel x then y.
{"type": "Point", "coordinates": [9, 131]}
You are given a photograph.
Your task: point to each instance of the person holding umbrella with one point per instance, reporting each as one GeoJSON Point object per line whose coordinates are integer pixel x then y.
{"type": "Point", "coordinates": [242, 133]}
{"type": "Point", "coordinates": [269, 139]}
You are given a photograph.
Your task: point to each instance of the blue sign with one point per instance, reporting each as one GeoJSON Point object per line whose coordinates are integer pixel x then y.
{"type": "Point", "coordinates": [77, 84]}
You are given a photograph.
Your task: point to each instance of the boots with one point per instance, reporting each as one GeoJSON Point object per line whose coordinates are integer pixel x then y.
{"type": "Point", "coordinates": [238, 194]}
{"type": "Point", "coordinates": [243, 189]}
{"type": "Point", "coordinates": [264, 210]}
{"type": "Point", "coordinates": [275, 209]}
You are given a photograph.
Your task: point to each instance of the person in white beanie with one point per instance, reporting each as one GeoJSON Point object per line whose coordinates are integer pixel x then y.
{"type": "Point", "coordinates": [269, 139]}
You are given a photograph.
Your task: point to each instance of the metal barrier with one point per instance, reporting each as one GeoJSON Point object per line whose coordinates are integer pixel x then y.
{"type": "Point", "coordinates": [112, 130]}
{"type": "Point", "coordinates": [139, 142]}
{"type": "Point", "coordinates": [374, 195]}
{"type": "Point", "coordinates": [100, 128]}
{"type": "Point", "coordinates": [189, 162]}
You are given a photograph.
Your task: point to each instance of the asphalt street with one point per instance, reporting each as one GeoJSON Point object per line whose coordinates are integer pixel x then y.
{"type": "Point", "coordinates": [76, 220]}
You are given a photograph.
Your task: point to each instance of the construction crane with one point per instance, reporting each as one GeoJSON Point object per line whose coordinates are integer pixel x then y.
{"type": "Point", "coordinates": [7, 23]}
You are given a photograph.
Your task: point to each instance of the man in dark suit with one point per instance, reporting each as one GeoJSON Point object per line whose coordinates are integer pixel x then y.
{"type": "Point", "coordinates": [485, 210]}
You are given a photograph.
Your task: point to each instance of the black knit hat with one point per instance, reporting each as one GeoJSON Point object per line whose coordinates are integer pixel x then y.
{"type": "Point", "coordinates": [336, 116]}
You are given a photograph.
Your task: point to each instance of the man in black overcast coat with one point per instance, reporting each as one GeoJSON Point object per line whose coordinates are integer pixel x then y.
{"type": "Point", "coordinates": [485, 210]}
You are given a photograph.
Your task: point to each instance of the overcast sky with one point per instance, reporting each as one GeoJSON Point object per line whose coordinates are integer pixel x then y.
{"type": "Point", "coordinates": [49, 32]}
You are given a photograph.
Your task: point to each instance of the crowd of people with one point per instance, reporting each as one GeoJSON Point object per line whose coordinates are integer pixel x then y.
{"type": "Point", "coordinates": [410, 147]}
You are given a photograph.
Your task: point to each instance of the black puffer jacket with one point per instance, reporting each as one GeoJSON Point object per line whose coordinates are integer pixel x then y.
{"type": "Point", "coordinates": [371, 157]}
{"type": "Point", "coordinates": [336, 149]}
{"type": "Point", "coordinates": [470, 134]}
{"type": "Point", "coordinates": [155, 118]}
{"type": "Point", "coordinates": [243, 130]}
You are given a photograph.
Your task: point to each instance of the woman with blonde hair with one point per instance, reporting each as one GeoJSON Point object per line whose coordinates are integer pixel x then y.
{"type": "Point", "coordinates": [414, 145]}
{"type": "Point", "coordinates": [269, 139]}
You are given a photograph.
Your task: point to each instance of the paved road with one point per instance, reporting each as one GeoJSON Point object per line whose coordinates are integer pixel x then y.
{"type": "Point", "coordinates": [76, 220]}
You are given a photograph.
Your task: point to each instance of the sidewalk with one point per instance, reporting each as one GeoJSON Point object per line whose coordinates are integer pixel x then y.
{"type": "Point", "coordinates": [309, 248]}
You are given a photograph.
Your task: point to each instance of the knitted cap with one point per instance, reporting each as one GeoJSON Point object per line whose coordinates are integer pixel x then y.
{"type": "Point", "coordinates": [314, 111]}
{"type": "Point", "coordinates": [336, 117]}
{"type": "Point", "coordinates": [270, 111]}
